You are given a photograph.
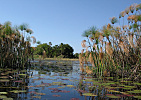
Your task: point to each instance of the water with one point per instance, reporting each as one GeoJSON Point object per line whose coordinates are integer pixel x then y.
{"type": "Point", "coordinates": [62, 83]}
{"type": "Point", "coordinates": [56, 85]}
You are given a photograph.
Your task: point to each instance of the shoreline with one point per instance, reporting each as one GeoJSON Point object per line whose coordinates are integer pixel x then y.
{"type": "Point", "coordinates": [64, 59]}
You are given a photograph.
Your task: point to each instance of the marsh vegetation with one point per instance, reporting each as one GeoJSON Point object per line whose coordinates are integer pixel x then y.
{"type": "Point", "coordinates": [109, 65]}
{"type": "Point", "coordinates": [115, 50]}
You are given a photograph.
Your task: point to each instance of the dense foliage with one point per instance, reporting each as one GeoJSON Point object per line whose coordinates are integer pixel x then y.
{"type": "Point", "coordinates": [63, 50]}
{"type": "Point", "coordinates": [115, 49]}
{"type": "Point", "coordinates": [15, 45]}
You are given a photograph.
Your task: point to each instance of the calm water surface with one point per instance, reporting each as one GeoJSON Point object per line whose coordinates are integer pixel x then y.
{"type": "Point", "coordinates": [62, 83]}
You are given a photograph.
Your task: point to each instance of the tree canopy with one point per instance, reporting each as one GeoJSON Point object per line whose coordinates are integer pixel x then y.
{"type": "Point", "coordinates": [64, 50]}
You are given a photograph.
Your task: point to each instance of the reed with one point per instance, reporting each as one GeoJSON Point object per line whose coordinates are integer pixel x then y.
{"type": "Point", "coordinates": [15, 47]}
{"type": "Point", "coordinates": [115, 49]}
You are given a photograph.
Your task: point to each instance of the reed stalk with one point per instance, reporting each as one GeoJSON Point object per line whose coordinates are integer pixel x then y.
{"type": "Point", "coordinates": [121, 51]}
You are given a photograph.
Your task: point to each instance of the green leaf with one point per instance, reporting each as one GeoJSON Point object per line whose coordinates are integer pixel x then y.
{"type": "Point", "coordinates": [56, 83]}
{"type": "Point", "coordinates": [39, 97]}
{"type": "Point", "coordinates": [23, 74]}
{"type": "Point", "coordinates": [113, 96]}
{"type": "Point", "coordinates": [4, 80]}
{"type": "Point", "coordinates": [4, 77]}
{"type": "Point", "coordinates": [138, 97]}
{"type": "Point", "coordinates": [70, 85]}
{"type": "Point", "coordinates": [137, 83]}
{"type": "Point", "coordinates": [18, 91]}
{"type": "Point", "coordinates": [3, 96]}
{"type": "Point", "coordinates": [8, 99]}
{"type": "Point", "coordinates": [3, 92]}
{"type": "Point", "coordinates": [135, 91]}
{"type": "Point", "coordinates": [113, 91]}
{"type": "Point", "coordinates": [89, 94]}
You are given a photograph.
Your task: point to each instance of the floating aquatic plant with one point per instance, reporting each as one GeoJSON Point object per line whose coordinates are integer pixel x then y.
{"type": "Point", "coordinates": [135, 91]}
{"type": "Point", "coordinates": [89, 94]}
{"type": "Point", "coordinates": [112, 96]}
{"type": "Point", "coordinates": [3, 93]}
{"type": "Point", "coordinates": [138, 97]}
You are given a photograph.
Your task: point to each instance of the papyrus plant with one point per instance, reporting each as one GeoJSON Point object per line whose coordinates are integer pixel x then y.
{"type": "Point", "coordinates": [15, 47]}
{"type": "Point", "coordinates": [116, 47]}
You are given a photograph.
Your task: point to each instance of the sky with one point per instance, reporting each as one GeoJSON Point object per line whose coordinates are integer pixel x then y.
{"type": "Point", "coordinates": [61, 21]}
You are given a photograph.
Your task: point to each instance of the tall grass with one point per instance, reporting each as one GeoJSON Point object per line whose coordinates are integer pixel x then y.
{"type": "Point", "coordinates": [115, 49]}
{"type": "Point", "coordinates": [15, 47]}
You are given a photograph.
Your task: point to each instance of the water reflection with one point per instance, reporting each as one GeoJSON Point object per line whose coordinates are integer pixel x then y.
{"type": "Point", "coordinates": [13, 83]}
{"type": "Point", "coordinates": [63, 83]}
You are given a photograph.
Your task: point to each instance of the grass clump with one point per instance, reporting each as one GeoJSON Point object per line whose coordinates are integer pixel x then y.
{"type": "Point", "coordinates": [114, 50]}
{"type": "Point", "coordinates": [15, 46]}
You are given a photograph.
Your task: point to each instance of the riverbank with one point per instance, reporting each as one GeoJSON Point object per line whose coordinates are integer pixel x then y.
{"type": "Point", "coordinates": [59, 59]}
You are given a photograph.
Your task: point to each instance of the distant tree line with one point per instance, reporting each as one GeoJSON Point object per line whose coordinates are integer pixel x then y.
{"type": "Point", "coordinates": [63, 50]}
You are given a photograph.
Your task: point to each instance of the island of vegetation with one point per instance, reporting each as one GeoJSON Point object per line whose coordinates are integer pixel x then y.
{"type": "Point", "coordinates": [58, 51]}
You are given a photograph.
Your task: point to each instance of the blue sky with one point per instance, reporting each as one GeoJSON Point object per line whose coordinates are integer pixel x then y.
{"type": "Point", "coordinates": [61, 21]}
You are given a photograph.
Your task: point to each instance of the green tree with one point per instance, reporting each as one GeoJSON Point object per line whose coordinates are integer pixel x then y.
{"type": "Point", "coordinates": [41, 47]}
{"type": "Point", "coordinates": [76, 55]}
{"type": "Point", "coordinates": [66, 50]}
{"type": "Point", "coordinates": [55, 51]}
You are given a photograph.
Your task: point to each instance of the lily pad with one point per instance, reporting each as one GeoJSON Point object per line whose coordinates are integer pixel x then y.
{"type": "Point", "coordinates": [137, 83]}
{"type": "Point", "coordinates": [112, 96]}
{"type": "Point", "coordinates": [3, 96]}
{"type": "Point", "coordinates": [39, 97]}
{"type": "Point", "coordinates": [8, 99]}
{"type": "Point", "coordinates": [62, 87]}
{"type": "Point", "coordinates": [41, 85]}
{"type": "Point", "coordinates": [130, 87]}
{"type": "Point", "coordinates": [3, 93]}
{"type": "Point", "coordinates": [70, 86]}
{"type": "Point", "coordinates": [126, 88]}
{"type": "Point", "coordinates": [4, 77]}
{"type": "Point", "coordinates": [4, 80]}
{"type": "Point", "coordinates": [138, 97]}
{"type": "Point", "coordinates": [18, 91]}
{"type": "Point", "coordinates": [109, 77]}
{"type": "Point", "coordinates": [122, 85]}
{"type": "Point", "coordinates": [23, 74]}
{"type": "Point", "coordinates": [89, 94]}
{"type": "Point", "coordinates": [3, 73]}
{"type": "Point", "coordinates": [113, 91]}
{"type": "Point", "coordinates": [135, 91]}
{"type": "Point", "coordinates": [126, 81]}
{"type": "Point", "coordinates": [56, 83]}
{"type": "Point", "coordinates": [124, 93]}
